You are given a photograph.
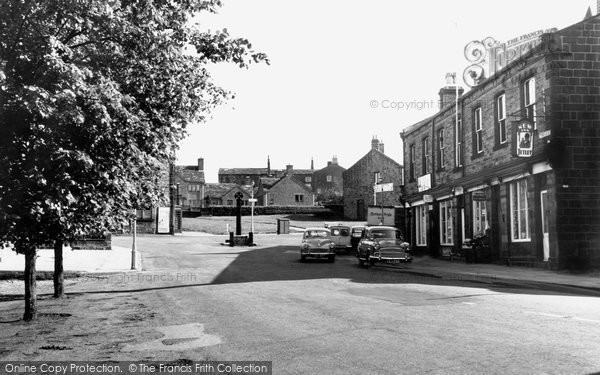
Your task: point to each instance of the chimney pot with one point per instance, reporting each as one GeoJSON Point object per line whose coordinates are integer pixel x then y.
{"type": "Point", "coordinates": [201, 164]}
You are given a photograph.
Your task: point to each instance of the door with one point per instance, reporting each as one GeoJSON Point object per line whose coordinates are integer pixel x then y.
{"type": "Point", "coordinates": [360, 209]}
{"type": "Point", "coordinates": [544, 220]}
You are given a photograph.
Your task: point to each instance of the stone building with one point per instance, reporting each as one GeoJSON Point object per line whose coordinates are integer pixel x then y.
{"type": "Point", "coordinates": [518, 158]}
{"type": "Point", "coordinates": [328, 182]}
{"type": "Point", "coordinates": [245, 176]}
{"type": "Point", "coordinates": [359, 180]}
{"type": "Point", "coordinates": [189, 185]}
{"type": "Point", "coordinates": [288, 190]}
{"type": "Point", "coordinates": [223, 194]}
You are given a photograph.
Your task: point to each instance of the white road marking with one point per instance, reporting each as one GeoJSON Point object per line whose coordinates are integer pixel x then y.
{"type": "Point", "coordinates": [179, 337]}
{"type": "Point", "coordinates": [562, 316]}
{"type": "Point", "coordinates": [468, 303]}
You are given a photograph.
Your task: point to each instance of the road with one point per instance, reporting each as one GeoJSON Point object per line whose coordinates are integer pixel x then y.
{"type": "Point", "coordinates": [198, 300]}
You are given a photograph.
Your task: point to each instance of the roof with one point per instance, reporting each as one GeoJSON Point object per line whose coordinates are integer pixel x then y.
{"type": "Point", "coordinates": [294, 179]}
{"type": "Point", "coordinates": [217, 190]}
{"type": "Point", "coordinates": [190, 174]}
{"type": "Point", "coordinates": [249, 171]}
{"type": "Point", "coordinates": [267, 182]}
{"type": "Point", "coordinates": [371, 153]}
{"type": "Point", "coordinates": [302, 171]}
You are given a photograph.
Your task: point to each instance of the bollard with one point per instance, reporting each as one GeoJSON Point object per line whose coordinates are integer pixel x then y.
{"type": "Point", "coordinates": [231, 239]}
{"type": "Point", "coordinates": [250, 239]}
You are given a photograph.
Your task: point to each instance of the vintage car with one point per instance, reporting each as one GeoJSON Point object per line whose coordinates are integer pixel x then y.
{"type": "Point", "coordinates": [382, 244]}
{"type": "Point", "coordinates": [355, 236]}
{"type": "Point", "coordinates": [317, 243]}
{"type": "Point", "coordinates": [340, 234]}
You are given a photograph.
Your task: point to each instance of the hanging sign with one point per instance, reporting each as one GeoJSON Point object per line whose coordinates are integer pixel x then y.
{"type": "Point", "coordinates": [524, 138]}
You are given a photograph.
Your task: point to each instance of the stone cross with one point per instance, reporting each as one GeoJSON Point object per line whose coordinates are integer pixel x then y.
{"type": "Point", "coordinates": [238, 213]}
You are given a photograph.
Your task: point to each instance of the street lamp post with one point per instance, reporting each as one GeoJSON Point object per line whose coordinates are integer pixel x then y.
{"type": "Point", "coordinates": [133, 243]}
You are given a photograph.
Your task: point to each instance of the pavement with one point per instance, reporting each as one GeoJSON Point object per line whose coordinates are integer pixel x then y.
{"type": "Point", "coordinates": [119, 260]}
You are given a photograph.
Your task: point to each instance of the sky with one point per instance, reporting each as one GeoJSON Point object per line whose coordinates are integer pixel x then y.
{"type": "Point", "coordinates": [343, 72]}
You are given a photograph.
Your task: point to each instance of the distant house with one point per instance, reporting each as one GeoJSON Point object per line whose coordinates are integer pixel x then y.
{"type": "Point", "coordinates": [359, 180]}
{"type": "Point", "coordinates": [288, 190]}
{"type": "Point", "coordinates": [223, 194]}
{"type": "Point", "coordinates": [245, 176]}
{"type": "Point", "coordinates": [328, 182]}
{"type": "Point", "coordinates": [189, 185]}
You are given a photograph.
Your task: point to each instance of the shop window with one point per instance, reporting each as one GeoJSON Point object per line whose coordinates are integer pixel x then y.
{"type": "Point", "coordinates": [519, 210]}
{"type": "Point", "coordinates": [421, 224]}
{"type": "Point", "coordinates": [446, 224]}
{"type": "Point", "coordinates": [480, 222]}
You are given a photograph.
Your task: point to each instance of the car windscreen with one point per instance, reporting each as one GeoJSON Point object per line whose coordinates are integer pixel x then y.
{"type": "Point", "coordinates": [386, 233]}
{"type": "Point", "coordinates": [316, 234]}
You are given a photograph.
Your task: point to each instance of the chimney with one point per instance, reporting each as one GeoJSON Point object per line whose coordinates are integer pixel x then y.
{"type": "Point", "coordinates": [334, 159]}
{"type": "Point", "coordinates": [381, 148]}
{"type": "Point", "coordinates": [329, 164]}
{"type": "Point", "coordinates": [375, 143]}
{"type": "Point", "coordinates": [448, 92]}
{"type": "Point", "coordinates": [289, 169]}
{"type": "Point", "coordinates": [201, 164]}
{"type": "Point", "coordinates": [268, 165]}
{"type": "Point", "coordinates": [312, 162]}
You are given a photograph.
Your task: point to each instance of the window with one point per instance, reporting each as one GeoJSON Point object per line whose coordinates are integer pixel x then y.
{"type": "Point", "coordinates": [478, 130]}
{"type": "Point", "coordinates": [421, 224]}
{"type": "Point", "coordinates": [308, 179]}
{"type": "Point", "coordinates": [299, 198]}
{"type": "Point", "coordinates": [143, 214]}
{"type": "Point", "coordinates": [529, 99]}
{"type": "Point", "coordinates": [501, 119]}
{"type": "Point", "coordinates": [318, 190]}
{"type": "Point", "coordinates": [426, 155]}
{"type": "Point", "coordinates": [441, 148]}
{"type": "Point", "coordinates": [412, 157]}
{"type": "Point", "coordinates": [518, 208]}
{"type": "Point", "coordinates": [458, 143]}
{"type": "Point", "coordinates": [329, 178]}
{"type": "Point", "coordinates": [446, 224]}
{"type": "Point", "coordinates": [480, 223]}
{"type": "Point", "coordinates": [376, 178]}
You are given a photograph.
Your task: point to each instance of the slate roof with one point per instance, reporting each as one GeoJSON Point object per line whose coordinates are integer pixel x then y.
{"type": "Point", "coordinates": [217, 190]}
{"type": "Point", "coordinates": [190, 173]}
{"type": "Point", "coordinates": [248, 171]}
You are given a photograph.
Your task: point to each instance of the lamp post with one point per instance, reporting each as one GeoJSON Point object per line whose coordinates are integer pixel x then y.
{"type": "Point", "coordinates": [252, 200]}
{"type": "Point", "coordinates": [177, 185]}
{"type": "Point", "coordinates": [133, 243]}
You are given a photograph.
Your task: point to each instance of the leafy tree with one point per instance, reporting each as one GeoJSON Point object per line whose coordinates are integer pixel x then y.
{"type": "Point", "coordinates": [94, 96]}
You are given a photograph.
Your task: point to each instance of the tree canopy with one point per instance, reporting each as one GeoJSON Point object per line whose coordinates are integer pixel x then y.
{"type": "Point", "coordinates": [94, 96]}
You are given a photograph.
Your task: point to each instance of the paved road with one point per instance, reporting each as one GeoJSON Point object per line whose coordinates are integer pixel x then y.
{"type": "Point", "coordinates": [198, 300]}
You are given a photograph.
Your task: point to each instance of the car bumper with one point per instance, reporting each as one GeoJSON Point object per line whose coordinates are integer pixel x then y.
{"type": "Point", "coordinates": [394, 257]}
{"type": "Point", "coordinates": [314, 253]}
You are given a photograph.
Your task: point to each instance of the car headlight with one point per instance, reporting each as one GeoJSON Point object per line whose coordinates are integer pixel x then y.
{"type": "Point", "coordinates": [305, 246]}
{"type": "Point", "coordinates": [404, 245]}
{"type": "Point", "coordinates": [376, 246]}
{"type": "Point", "coordinates": [331, 245]}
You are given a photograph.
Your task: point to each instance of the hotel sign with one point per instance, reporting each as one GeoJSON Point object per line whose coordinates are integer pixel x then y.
{"type": "Point", "coordinates": [523, 144]}
{"type": "Point", "coordinates": [489, 56]}
{"type": "Point", "coordinates": [424, 182]}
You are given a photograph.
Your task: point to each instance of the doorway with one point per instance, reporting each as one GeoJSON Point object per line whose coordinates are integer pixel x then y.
{"type": "Point", "coordinates": [544, 219]}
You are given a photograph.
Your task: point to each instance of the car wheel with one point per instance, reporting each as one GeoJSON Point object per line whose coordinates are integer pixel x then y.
{"type": "Point", "coordinates": [368, 260]}
{"type": "Point", "coordinates": [361, 262]}
{"type": "Point", "coordinates": [331, 258]}
{"type": "Point", "coordinates": [302, 258]}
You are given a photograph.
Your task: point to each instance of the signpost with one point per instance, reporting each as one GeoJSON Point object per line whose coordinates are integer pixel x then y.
{"type": "Point", "coordinates": [381, 188]}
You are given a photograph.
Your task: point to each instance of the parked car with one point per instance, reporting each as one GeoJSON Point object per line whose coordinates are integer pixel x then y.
{"type": "Point", "coordinates": [382, 244]}
{"type": "Point", "coordinates": [355, 236]}
{"type": "Point", "coordinates": [340, 234]}
{"type": "Point", "coordinates": [317, 243]}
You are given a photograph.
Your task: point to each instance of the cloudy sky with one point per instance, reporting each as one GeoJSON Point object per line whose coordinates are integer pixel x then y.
{"type": "Point", "coordinates": [330, 60]}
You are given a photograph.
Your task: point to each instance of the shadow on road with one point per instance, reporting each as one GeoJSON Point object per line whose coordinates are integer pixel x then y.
{"type": "Point", "coordinates": [283, 263]}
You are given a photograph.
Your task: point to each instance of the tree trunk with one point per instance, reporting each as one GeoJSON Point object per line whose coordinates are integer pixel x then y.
{"type": "Point", "coordinates": [30, 285]}
{"type": "Point", "coordinates": [59, 286]}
